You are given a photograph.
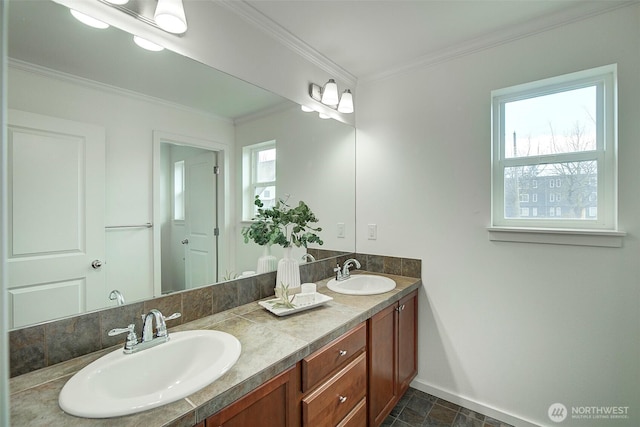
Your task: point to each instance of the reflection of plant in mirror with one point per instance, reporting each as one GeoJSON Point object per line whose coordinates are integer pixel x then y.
{"type": "Point", "coordinates": [229, 276]}
{"type": "Point", "coordinates": [283, 225]}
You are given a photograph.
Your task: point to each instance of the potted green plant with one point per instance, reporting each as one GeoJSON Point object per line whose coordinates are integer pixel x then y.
{"type": "Point", "coordinates": [285, 226]}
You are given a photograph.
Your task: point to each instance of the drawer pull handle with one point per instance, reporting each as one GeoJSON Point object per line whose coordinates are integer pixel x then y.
{"type": "Point", "coordinates": [342, 399]}
{"type": "Point", "coordinates": [401, 308]}
{"type": "Point", "coordinates": [342, 352]}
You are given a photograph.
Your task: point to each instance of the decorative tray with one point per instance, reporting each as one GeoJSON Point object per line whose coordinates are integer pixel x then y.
{"type": "Point", "coordinates": [320, 299]}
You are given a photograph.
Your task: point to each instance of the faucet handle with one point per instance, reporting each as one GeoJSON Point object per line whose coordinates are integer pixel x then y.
{"type": "Point", "coordinates": [132, 338]}
{"type": "Point", "coordinates": [118, 331]}
{"type": "Point", "coordinates": [173, 316]}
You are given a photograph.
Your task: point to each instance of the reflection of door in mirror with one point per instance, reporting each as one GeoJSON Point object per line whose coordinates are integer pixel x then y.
{"type": "Point", "coordinates": [56, 218]}
{"type": "Point", "coordinates": [189, 217]}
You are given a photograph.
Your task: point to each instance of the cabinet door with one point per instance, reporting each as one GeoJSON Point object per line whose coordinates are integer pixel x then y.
{"type": "Point", "coordinates": [382, 364]}
{"type": "Point", "coordinates": [270, 405]}
{"type": "Point", "coordinates": [407, 341]}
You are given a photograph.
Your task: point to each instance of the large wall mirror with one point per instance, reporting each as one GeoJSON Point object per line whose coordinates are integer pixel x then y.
{"type": "Point", "coordinates": [113, 155]}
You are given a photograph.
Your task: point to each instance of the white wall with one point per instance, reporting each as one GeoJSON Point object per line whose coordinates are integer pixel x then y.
{"type": "Point", "coordinates": [315, 163]}
{"type": "Point", "coordinates": [129, 121]}
{"type": "Point", "coordinates": [506, 328]}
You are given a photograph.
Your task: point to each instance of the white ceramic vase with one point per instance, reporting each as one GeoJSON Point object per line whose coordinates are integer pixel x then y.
{"type": "Point", "coordinates": [288, 273]}
{"type": "Point", "coordinates": [266, 262]}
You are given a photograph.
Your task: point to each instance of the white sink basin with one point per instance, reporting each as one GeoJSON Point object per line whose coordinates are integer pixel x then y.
{"type": "Point", "coordinates": [362, 284]}
{"type": "Point", "coordinates": [120, 384]}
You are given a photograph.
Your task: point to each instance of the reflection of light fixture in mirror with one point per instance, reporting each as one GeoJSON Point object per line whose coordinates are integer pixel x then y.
{"type": "Point", "coordinates": [306, 109]}
{"type": "Point", "coordinates": [328, 95]}
{"type": "Point", "coordinates": [170, 16]}
{"type": "Point", "coordinates": [146, 44]}
{"type": "Point", "coordinates": [89, 20]}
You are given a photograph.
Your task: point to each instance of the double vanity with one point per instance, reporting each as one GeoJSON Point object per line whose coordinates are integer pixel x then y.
{"type": "Point", "coordinates": [344, 363]}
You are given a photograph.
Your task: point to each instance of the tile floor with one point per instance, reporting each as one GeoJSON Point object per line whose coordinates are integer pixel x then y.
{"type": "Point", "coordinates": [419, 409]}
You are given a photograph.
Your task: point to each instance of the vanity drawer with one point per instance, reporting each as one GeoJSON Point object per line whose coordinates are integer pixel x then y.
{"type": "Point", "coordinates": [330, 403]}
{"type": "Point", "coordinates": [357, 417]}
{"type": "Point", "coordinates": [333, 356]}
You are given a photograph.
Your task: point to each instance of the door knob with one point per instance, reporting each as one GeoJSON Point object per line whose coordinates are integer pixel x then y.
{"type": "Point", "coordinates": [96, 263]}
{"type": "Point", "coordinates": [185, 241]}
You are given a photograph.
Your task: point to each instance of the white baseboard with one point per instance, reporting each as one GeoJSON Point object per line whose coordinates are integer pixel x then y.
{"type": "Point", "coordinates": [473, 405]}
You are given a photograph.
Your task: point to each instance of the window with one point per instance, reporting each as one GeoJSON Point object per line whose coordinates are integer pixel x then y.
{"type": "Point", "coordinates": [524, 198]}
{"type": "Point", "coordinates": [535, 198]}
{"type": "Point", "coordinates": [560, 131]}
{"type": "Point", "coordinates": [178, 191]}
{"type": "Point", "coordinates": [259, 176]}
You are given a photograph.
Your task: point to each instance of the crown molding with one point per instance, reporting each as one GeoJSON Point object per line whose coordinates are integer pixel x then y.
{"type": "Point", "coordinates": [264, 23]}
{"type": "Point", "coordinates": [92, 84]}
{"type": "Point", "coordinates": [497, 38]}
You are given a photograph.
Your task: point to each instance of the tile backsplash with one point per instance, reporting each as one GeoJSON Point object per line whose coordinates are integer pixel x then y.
{"type": "Point", "coordinates": [46, 344]}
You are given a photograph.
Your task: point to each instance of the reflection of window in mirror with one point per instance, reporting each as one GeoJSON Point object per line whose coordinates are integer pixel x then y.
{"type": "Point", "coordinates": [178, 191]}
{"type": "Point", "coordinates": [259, 176]}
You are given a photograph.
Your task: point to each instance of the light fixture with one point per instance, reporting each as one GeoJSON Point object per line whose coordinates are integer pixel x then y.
{"type": "Point", "coordinates": [146, 44]}
{"type": "Point", "coordinates": [328, 95]}
{"type": "Point", "coordinates": [118, 2]}
{"type": "Point", "coordinates": [346, 102]}
{"type": "Point", "coordinates": [89, 20]}
{"type": "Point", "coordinates": [324, 116]}
{"type": "Point", "coordinates": [306, 109]}
{"type": "Point", "coordinates": [170, 16]}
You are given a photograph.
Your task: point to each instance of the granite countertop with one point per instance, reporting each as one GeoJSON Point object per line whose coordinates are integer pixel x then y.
{"type": "Point", "coordinates": [270, 344]}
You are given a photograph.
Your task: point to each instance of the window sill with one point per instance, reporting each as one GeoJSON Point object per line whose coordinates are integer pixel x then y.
{"type": "Point", "coordinates": [551, 236]}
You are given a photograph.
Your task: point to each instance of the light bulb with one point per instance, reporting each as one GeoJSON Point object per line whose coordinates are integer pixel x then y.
{"type": "Point", "coordinates": [323, 116]}
{"type": "Point", "coordinates": [89, 20]}
{"type": "Point", "coordinates": [146, 44]}
{"type": "Point", "coordinates": [346, 102]}
{"type": "Point", "coordinates": [170, 16]}
{"type": "Point", "coordinates": [306, 109]}
{"type": "Point", "coordinates": [330, 93]}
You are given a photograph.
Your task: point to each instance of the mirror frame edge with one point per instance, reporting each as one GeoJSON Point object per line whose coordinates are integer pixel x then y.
{"type": "Point", "coordinates": [4, 335]}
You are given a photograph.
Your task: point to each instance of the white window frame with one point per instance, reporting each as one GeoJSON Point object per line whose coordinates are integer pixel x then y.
{"type": "Point", "coordinates": [178, 188]}
{"type": "Point", "coordinates": [602, 231]}
{"type": "Point", "coordinates": [605, 153]}
{"type": "Point", "coordinates": [249, 180]}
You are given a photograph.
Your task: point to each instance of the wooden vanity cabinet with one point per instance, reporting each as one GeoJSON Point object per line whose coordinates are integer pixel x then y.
{"type": "Point", "coordinates": [334, 382]}
{"type": "Point", "coordinates": [392, 352]}
{"type": "Point", "coordinates": [270, 405]}
{"type": "Point", "coordinates": [354, 381]}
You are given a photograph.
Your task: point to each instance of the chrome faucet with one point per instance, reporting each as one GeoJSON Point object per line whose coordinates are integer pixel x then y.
{"type": "Point", "coordinates": [149, 339]}
{"type": "Point", "coordinates": [307, 258]}
{"type": "Point", "coordinates": [147, 326]}
{"type": "Point", "coordinates": [116, 295]}
{"type": "Point", "coordinates": [344, 274]}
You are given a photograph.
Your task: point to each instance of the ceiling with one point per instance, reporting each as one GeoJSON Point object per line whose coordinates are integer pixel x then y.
{"type": "Point", "coordinates": [360, 39]}
{"type": "Point", "coordinates": [371, 37]}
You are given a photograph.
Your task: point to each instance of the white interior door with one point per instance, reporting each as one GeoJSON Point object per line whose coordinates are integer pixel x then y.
{"type": "Point", "coordinates": [200, 220]}
{"type": "Point", "coordinates": [56, 218]}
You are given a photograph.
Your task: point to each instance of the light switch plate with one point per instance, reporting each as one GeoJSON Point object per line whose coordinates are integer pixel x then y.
{"type": "Point", "coordinates": [372, 231]}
